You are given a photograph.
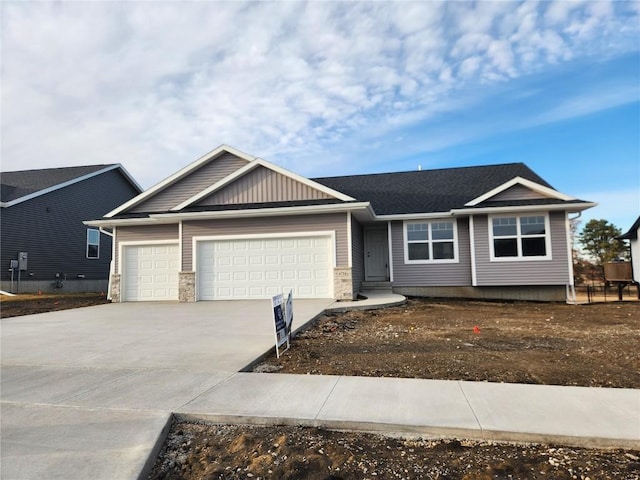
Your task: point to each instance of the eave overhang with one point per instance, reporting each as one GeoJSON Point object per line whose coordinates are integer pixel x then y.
{"type": "Point", "coordinates": [569, 207]}
{"type": "Point", "coordinates": [363, 209]}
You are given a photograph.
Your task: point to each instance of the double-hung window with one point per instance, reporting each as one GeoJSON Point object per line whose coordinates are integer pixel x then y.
{"type": "Point", "coordinates": [430, 242]}
{"type": "Point", "coordinates": [520, 237]}
{"type": "Point", "coordinates": [93, 243]}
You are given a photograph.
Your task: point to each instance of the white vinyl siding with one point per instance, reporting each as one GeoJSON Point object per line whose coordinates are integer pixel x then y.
{"type": "Point", "coordinates": [256, 268]}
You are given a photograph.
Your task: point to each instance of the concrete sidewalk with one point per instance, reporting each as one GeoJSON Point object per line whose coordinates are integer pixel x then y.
{"type": "Point", "coordinates": [592, 417]}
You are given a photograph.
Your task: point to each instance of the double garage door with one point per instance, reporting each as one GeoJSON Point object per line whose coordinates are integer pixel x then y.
{"type": "Point", "coordinates": [263, 267]}
{"type": "Point", "coordinates": [232, 269]}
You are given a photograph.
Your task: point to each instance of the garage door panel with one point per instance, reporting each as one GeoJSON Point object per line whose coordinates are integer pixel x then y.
{"type": "Point", "coordinates": [261, 268]}
{"type": "Point", "coordinates": [150, 272]}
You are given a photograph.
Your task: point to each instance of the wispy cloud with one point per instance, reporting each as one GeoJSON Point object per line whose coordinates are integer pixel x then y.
{"type": "Point", "coordinates": [154, 85]}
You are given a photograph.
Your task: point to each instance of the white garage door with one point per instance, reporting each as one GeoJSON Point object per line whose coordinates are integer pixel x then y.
{"type": "Point", "coordinates": [261, 268]}
{"type": "Point", "coordinates": [150, 272]}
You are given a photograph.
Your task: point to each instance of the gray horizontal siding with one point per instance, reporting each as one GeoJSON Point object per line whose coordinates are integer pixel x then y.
{"type": "Point", "coordinates": [518, 192]}
{"type": "Point", "coordinates": [263, 185]}
{"type": "Point", "coordinates": [530, 272]}
{"type": "Point", "coordinates": [263, 225]}
{"type": "Point", "coordinates": [144, 233]}
{"type": "Point", "coordinates": [50, 229]}
{"type": "Point", "coordinates": [422, 275]}
{"type": "Point", "coordinates": [357, 255]}
{"type": "Point", "coordinates": [194, 183]}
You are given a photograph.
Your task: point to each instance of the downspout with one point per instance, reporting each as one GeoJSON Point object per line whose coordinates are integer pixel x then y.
{"type": "Point", "coordinates": [571, 288]}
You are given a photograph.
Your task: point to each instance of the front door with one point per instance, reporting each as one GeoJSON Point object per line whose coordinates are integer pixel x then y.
{"type": "Point", "coordinates": [376, 254]}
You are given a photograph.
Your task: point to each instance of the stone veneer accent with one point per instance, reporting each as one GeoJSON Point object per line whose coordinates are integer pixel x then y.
{"type": "Point", "coordinates": [115, 288]}
{"type": "Point", "coordinates": [342, 283]}
{"type": "Point", "coordinates": [187, 287]}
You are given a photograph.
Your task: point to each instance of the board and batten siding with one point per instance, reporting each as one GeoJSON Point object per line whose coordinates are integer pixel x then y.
{"type": "Point", "coordinates": [262, 186]}
{"type": "Point", "coordinates": [526, 272]}
{"type": "Point", "coordinates": [336, 222]}
{"type": "Point", "coordinates": [517, 192]}
{"type": "Point", "coordinates": [195, 182]}
{"type": "Point", "coordinates": [431, 274]}
{"type": "Point", "coordinates": [357, 255]}
{"type": "Point", "coordinates": [146, 233]}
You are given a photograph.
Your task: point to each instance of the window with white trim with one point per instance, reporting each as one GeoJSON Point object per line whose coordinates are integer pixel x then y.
{"type": "Point", "coordinates": [93, 243]}
{"type": "Point", "coordinates": [427, 242]}
{"type": "Point", "coordinates": [520, 237]}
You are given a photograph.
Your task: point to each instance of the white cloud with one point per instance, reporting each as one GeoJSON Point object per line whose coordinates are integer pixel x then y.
{"type": "Point", "coordinates": [153, 85]}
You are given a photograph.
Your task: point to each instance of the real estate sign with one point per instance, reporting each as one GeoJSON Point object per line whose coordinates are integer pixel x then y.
{"type": "Point", "coordinates": [283, 318]}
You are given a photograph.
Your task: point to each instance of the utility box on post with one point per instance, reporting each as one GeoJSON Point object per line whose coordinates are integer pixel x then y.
{"type": "Point", "coordinates": [22, 261]}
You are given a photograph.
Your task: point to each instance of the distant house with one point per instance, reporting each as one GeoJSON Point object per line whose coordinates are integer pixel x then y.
{"type": "Point", "coordinates": [632, 236]}
{"type": "Point", "coordinates": [42, 234]}
{"type": "Point", "coordinates": [232, 226]}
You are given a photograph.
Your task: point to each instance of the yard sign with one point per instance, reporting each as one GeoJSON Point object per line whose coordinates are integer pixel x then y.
{"type": "Point", "coordinates": [283, 317]}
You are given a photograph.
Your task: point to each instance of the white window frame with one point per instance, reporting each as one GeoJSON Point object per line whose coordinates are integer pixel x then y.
{"type": "Point", "coordinates": [431, 241]}
{"type": "Point", "coordinates": [518, 236]}
{"type": "Point", "coordinates": [89, 230]}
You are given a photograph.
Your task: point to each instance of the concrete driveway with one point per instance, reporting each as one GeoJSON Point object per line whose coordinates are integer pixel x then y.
{"type": "Point", "coordinates": [85, 393]}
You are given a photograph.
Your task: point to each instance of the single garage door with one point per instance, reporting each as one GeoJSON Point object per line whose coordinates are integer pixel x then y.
{"type": "Point", "coordinates": [261, 268]}
{"type": "Point", "coordinates": [150, 272]}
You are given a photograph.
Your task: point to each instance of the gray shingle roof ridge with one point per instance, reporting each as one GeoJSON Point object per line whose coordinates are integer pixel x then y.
{"type": "Point", "coordinates": [495, 165]}
{"type": "Point", "coordinates": [98, 166]}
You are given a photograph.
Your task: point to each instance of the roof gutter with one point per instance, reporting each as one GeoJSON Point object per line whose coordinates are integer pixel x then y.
{"type": "Point", "coordinates": [168, 218]}
{"type": "Point", "coordinates": [571, 207]}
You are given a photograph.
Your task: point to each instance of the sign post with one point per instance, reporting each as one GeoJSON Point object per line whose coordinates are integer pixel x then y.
{"type": "Point", "coordinates": [283, 318]}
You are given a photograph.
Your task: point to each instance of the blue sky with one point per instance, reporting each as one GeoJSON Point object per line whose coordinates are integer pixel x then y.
{"type": "Point", "coordinates": [331, 88]}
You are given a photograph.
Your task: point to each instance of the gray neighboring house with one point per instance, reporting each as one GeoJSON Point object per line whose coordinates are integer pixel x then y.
{"type": "Point", "coordinates": [41, 215]}
{"type": "Point", "coordinates": [233, 226]}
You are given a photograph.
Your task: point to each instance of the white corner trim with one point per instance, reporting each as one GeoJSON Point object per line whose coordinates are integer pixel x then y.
{"type": "Point", "coordinates": [569, 249]}
{"type": "Point", "coordinates": [349, 241]}
{"type": "Point", "coordinates": [183, 172]}
{"type": "Point", "coordinates": [258, 162]}
{"type": "Point", "coordinates": [390, 243]}
{"type": "Point", "coordinates": [69, 182]}
{"type": "Point", "coordinates": [472, 242]}
{"type": "Point", "coordinates": [536, 187]}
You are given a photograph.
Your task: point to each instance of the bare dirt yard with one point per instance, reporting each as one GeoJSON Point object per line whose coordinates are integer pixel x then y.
{"type": "Point", "coordinates": [589, 345]}
{"type": "Point", "coordinates": [27, 304]}
{"type": "Point", "coordinates": [594, 345]}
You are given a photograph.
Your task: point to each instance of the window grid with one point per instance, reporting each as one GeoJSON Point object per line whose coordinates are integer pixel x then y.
{"type": "Point", "coordinates": [519, 237]}
{"type": "Point", "coordinates": [430, 242]}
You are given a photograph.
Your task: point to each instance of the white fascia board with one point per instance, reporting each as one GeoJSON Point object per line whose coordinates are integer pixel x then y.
{"type": "Point", "coordinates": [570, 207]}
{"type": "Point", "coordinates": [536, 187]}
{"type": "Point", "coordinates": [66, 184]}
{"type": "Point", "coordinates": [123, 222]}
{"type": "Point", "coordinates": [179, 175]}
{"type": "Point", "coordinates": [263, 212]}
{"type": "Point", "coordinates": [259, 162]}
{"type": "Point", "coordinates": [414, 216]}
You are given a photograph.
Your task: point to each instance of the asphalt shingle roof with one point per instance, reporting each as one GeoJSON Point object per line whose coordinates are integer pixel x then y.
{"type": "Point", "coordinates": [17, 184]}
{"type": "Point", "coordinates": [428, 191]}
